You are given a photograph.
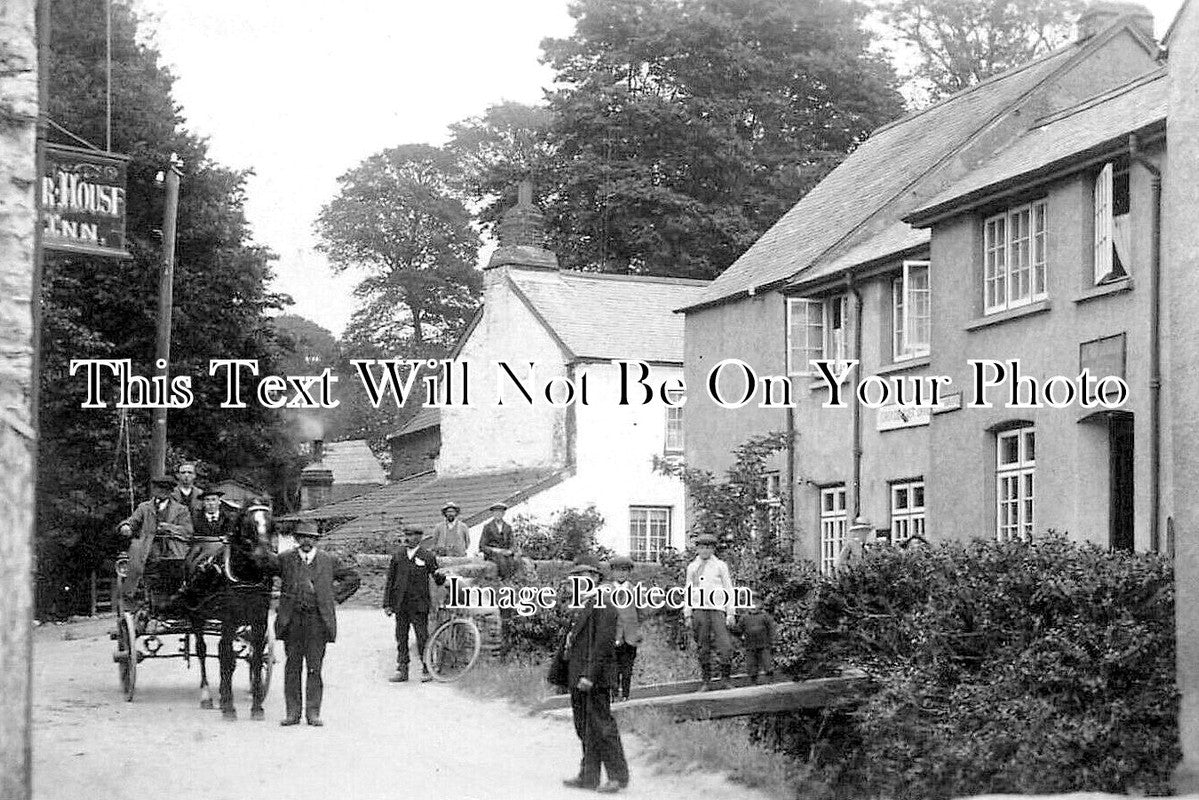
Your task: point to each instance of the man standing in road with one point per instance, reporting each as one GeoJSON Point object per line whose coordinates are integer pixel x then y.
{"type": "Point", "coordinates": [590, 654]}
{"type": "Point", "coordinates": [710, 611]}
{"type": "Point", "coordinates": [407, 597]}
{"type": "Point", "coordinates": [313, 582]}
{"type": "Point", "coordinates": [186, 493]}
{"type": "Point", "coordinates": [451, 537]}
{"type": "Point", "coordinates": [498, 542]}
{"type": "Point", "coordinates": [159, 529]}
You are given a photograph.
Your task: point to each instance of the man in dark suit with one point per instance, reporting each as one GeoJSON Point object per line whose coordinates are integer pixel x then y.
{"type": "Point", "coordinates": [313, 582]}
{"type": "Point", "coordinates": [211, 526]}
{"type": "Point", "coordinates": [498, 542]}
{"type": "Point", "coordinates": [407, 597]}
{"type": "Point", "coordinates": [159, 529]}
{"type": "Point", "coordinates": [590, 651]}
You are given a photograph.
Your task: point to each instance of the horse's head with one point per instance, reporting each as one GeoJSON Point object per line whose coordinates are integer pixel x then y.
{"type": "Point", "coordinates": [255, 525]}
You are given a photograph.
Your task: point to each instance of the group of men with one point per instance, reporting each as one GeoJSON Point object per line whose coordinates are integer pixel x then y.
{"type": "Point", "coordinates": [497, 542]}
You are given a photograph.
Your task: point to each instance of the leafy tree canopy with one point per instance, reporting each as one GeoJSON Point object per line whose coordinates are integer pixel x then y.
{"type": "Point", "coordinates": [962, 42]}
{"type": "Point", "coordinates": [398, 216]}
{"type": "Point", "coordinates": [683, 129]}
{"type": "Point", "coordinates": [97, 307]}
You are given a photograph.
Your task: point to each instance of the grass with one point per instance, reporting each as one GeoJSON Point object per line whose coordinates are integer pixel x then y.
{"type": "Point", "coordinates": [718, 746]}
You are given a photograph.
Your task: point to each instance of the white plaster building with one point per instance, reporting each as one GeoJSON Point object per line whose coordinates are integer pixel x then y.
{"type": "Point", "coordinates": [543, 456]}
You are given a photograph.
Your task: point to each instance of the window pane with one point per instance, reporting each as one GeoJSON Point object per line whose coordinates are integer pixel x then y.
{"type": "Point", "coordinates": [1030, 446]}
{"type": "Point", "coordinates": [1020, 256]}
{"type": "Point", "coordinates": [1039, 256]}
{"type": "Point", "coordinates": [1009, 449]}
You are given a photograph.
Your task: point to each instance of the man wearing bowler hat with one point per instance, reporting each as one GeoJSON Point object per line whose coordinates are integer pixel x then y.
{"type": "Point", "coordinates": [590, 653]}
{"type": "Point", "coordinates": [451, 537]}
{"type": "Point", "coordinates": [159, 528]}
{"type": "Point", "coordinates": [498, 542]}
{"type": "Point", "coordinates": [313, 582]}
{"type": "Point", "coordinates": [407, 597]}
{"type": "Point", "coordinates": [710, 610]}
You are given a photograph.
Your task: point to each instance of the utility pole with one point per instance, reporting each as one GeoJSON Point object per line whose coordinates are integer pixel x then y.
{"type": "Point", "coordinates": [162, 349]}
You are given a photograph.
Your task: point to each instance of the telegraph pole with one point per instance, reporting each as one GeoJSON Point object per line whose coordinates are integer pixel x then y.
{"type": "Point", "coordinates": [162, 349]}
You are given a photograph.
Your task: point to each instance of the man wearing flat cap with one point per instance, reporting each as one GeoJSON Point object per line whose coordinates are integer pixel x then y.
{"type": "Point", "coordinates": [498, 542]}
{"type": "Point", "coordinates": [451, 537]}
{"type": "Point", "coordinates": [407, 597]}
{"type": "Point", "coordinates": [313, 583]}
{"type": "Point", "coordinates": [158, 529]}
{"type": "Point", "coordinates": [709, 617]}
{"type": "Point", "coordinates": [590, 653]}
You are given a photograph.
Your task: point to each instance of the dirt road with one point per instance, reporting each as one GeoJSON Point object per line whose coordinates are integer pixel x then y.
{"type": "Point", "coordinates": [381, 740]}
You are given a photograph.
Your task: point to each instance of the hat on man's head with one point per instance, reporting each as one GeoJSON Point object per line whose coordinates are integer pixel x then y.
{"type": "Point", "coordinates": [497, 505]}
{"type": "Point", "coordinates": [211, 493]}
{"type": "Point", "coordinates": [164, 481]}
{"type": "Point", "coordinates": [584, 565]}
{"type": "Point", "coordinates": [450, 504]}
{"type": "Point", "coordinates": [620, 562]}
{"type": "Point", "coordinates": [308, 528]}
{"type": "Point", "coordinates": [706, 538]}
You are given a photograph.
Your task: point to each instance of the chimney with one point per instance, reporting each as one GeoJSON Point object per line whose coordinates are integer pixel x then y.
{"type": "Point", "coordinates": [318, 451]}
{"type": "Point", "coordinates": [316, 486]}
{"type": "Point", "coordinates": [522, 236]}
{"type": "Point", "coordinates": [1100, 14]}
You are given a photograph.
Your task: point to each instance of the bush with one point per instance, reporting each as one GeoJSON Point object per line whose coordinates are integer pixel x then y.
{"type": "Point", "coordinates": [994, 668]}
{"type": "Point", "coordinates": [571, 534]}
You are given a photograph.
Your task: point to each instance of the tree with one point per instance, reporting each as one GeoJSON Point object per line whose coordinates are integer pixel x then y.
{"type": "Point", "coordinates": [104, 308]}
{"type": "Point", "coordinates": [398, 216]}
{"type": "Point", "coordinates": [962, 42]}
{"type": "Point", "coordinates": [683, 129]}
{"type": "Point", "coordinates": [495, 151]}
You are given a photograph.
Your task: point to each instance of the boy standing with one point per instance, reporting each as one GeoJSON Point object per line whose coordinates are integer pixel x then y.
{"type": "Point", "coordinates": [628, 628]}
{"type": "Point", "coordinates": [709, 610]}
{"type": "Point", "coordinates": [757, 630]}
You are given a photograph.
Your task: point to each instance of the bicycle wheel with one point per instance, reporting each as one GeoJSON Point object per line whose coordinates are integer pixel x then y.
{"type": "Point", "coordinates": [453, 649]}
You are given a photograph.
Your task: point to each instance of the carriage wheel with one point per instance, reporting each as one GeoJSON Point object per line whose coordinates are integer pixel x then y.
{"type": "Point", "coordinates": [126, 655]}
{"type": "Point", "coordinates": [453, 649]}
{"type": "Point", "coordinates": [268, 660]}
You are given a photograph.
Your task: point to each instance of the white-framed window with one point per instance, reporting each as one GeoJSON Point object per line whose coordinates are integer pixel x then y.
{"type": "Point", "coordinates": [674, 425]}
{"type": "Point", "coordinates": [816, 329]}
{"type": "Point", "coordinates": [649, 532]}
{"type": "Point", "coordinates": [1112, 235]}
{"type": "Point", "coordinates": [911, 312]}
{"type": "Point", "coordinates": [832, 525]}
{"type": "Point", "coordinates": [907, 510]}
{"type": "Point", "coordinates": [1015, 473]}
{"type": "Point", "coordinates": [1014, 247]}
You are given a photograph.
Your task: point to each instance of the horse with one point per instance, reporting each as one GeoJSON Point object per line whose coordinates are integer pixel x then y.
{"type": "Point", "coordinates": [233, 583]}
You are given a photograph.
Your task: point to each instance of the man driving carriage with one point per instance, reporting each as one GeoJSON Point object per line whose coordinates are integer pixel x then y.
{"type": "Point", "coordinates": [212, 524]}
{"type": "Point", "coordinates": [159, 529]}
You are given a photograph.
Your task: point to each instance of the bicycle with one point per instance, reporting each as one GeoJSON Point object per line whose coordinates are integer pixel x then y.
{"type": "Point", "coordinates": [453, 649]}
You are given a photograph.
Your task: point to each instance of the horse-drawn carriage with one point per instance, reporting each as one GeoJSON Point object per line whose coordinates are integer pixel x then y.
{"type": "Point", "coordinates": [225, 593]}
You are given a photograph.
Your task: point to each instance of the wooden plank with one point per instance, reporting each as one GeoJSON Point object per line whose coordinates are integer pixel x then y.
{"type": "Point", "coordinates": [738, 702]}
{"type": "Point", "coordinates": [662, 690]}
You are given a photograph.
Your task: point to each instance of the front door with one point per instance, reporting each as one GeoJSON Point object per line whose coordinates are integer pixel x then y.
{"type": "Point", "coordinates": [1120, 516]}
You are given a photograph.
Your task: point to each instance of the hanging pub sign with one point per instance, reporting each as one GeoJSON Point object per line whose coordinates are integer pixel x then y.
{"type": "Point", "coordinates": [83, 201]}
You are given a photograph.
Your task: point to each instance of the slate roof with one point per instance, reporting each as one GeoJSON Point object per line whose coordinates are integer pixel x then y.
{"type": "Point", "coordinates": [600, 316]}
{"type": "Point", "coordinates": [1059, 138]}
{"type": "Point", "coordinates": [352, 462]}
{"type": "Point", "coordinates": [425, 417]}
{"type": "Point", "coordinates": [876, 175]}
{"type": "Point", "coordinates": [418, 501]}
{"type": "Point", "coordinates": [896, 238]}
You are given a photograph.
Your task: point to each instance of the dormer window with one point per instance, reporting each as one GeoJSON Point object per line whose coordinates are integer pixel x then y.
{"type": "Point", "coordinates": [1014, 257]}
{"type": "Point", "coordinates": [1112, 234]}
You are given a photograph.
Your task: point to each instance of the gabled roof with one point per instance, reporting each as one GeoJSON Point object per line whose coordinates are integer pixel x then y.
{"type": "Point", "coordinates": [878, 175]}
{"type": "Point", "coordinates": [352, 461]}
{"type": "Point", "coordinates": [418, 500]}
{"type": "Point", "coordinates": [425, 417]}
{"type": "Point", "coordinates": [596, 316]}
{"type": "Point", "coordinates": [1095, 124]}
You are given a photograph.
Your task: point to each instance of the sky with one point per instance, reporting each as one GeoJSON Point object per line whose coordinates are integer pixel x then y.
{"type": "Point", "coordinates": [302, 91]}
